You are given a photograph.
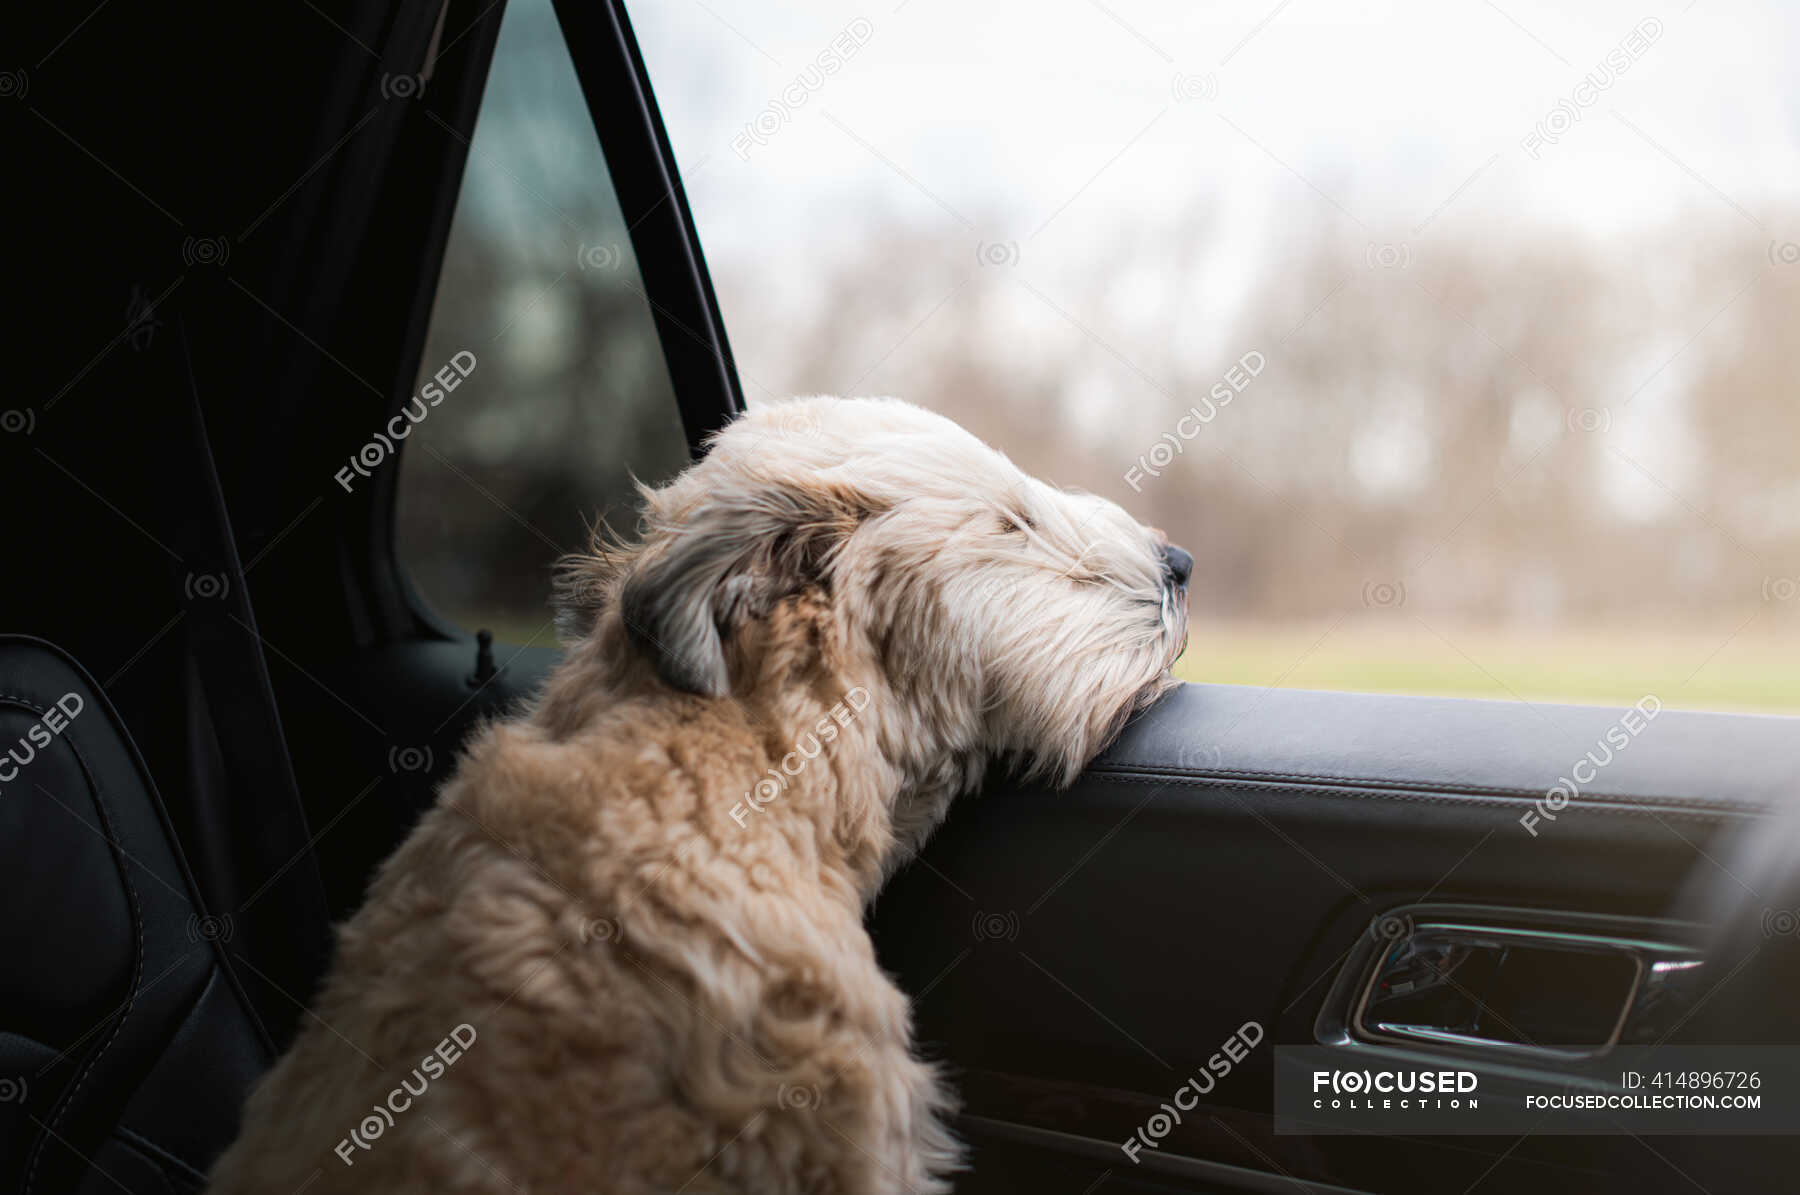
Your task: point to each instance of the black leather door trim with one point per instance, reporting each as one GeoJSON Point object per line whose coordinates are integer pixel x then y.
{"type": "Point", "coordinates": [1199, 1170]}
{"type": "Point", "coordinates": [1375, 744]}
{"type": "Point", "coordinates": [1367, 790]}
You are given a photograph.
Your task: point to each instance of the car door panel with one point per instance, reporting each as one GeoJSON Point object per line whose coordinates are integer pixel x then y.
{"type": "Point", "coordinates": [1077, 955]}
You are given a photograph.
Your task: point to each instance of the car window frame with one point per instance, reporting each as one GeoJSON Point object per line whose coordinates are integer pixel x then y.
{"type": "Point", "coordinates": [678, 289]}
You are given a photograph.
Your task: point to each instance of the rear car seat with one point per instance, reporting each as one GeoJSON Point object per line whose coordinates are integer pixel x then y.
{"type": "Point", "coordinates": [126, 1047]}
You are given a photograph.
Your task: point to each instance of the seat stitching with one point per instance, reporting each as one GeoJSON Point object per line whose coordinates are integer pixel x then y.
{"type": "Point", "coordinates": [137, 919]}
{"type": "Point", "coordinates": [1383, 785]}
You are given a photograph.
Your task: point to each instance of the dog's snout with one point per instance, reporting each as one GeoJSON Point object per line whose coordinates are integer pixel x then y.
{"type": "Point", "coordinates": [1177, 564]}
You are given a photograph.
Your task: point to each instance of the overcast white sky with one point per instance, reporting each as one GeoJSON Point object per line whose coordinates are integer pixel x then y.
{"type": "Point", "coordinates": [1006, 110]}
{"type": "Point", "coordinates": [1044, 126]}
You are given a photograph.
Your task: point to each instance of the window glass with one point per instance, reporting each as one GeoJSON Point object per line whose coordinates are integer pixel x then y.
{"type": "Point", "coordinates": [1456, 341]}
{"type": "Point", "coordinates": [567, 397]}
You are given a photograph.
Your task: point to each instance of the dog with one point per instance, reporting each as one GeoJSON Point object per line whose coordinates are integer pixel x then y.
{"type": "Point", "coordinates": [624, 952]}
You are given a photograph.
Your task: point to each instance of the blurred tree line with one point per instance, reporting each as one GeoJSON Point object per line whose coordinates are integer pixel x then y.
{"type": "Point", "coordinates": [1500, 431]}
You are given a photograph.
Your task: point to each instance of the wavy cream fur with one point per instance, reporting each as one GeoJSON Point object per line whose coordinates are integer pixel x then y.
{"type": "Point", "coordinates": [672, 989]}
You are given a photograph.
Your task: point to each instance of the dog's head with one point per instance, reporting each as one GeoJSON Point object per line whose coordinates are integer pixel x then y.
{"type": "Point", "coordinates": [993, 615]}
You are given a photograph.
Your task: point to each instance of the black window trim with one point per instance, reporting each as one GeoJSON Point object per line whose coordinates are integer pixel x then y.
{"type": "Point", "coordinates": [648, 182]}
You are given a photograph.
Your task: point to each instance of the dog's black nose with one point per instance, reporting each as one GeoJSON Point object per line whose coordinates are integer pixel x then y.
{"type": "Point", "coordinates": [1178, 565]}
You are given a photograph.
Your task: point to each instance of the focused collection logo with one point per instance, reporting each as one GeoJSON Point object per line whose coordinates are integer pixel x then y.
{"type": "Point", "coordinates": [1406, 1090]}
{"type": "Point", "coordinates": [1231, 1052]}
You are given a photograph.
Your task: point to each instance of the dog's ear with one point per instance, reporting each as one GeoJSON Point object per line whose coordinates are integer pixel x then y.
{"type": "Point", "coordinates": [728, 559]}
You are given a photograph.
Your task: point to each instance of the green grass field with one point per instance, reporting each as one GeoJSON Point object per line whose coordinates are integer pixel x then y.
{"type": "Point", "coordinates": [1753, 671]}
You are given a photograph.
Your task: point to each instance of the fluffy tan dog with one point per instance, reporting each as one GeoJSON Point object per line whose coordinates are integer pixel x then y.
{"type": "Point", "coordinates": [625, 953]}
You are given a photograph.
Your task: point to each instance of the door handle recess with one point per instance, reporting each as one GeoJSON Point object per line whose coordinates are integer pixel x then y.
{"type": "Point", "coordinates": [1522, 990]}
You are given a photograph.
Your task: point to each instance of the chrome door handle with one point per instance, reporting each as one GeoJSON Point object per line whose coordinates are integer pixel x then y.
{"type": "Point", "coordinates": [1525, 990]}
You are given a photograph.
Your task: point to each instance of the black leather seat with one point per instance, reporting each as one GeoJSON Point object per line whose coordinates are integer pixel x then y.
{"type": "Point", "coordinates": [126, 1047]}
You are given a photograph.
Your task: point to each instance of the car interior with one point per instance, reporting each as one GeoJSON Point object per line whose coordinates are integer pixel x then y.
{"type": "Point", "coordinates": [226, 699]}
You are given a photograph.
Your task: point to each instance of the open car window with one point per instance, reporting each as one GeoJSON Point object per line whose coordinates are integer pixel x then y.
{"type": "Point", "coordinates": [1451, 342]}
